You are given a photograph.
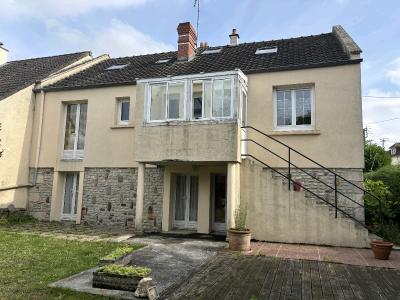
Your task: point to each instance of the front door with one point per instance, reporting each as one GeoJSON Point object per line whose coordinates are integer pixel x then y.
{"type": "Point", "coordinates": [70, 200]}
{"type": "Point", "coordinates": [186, 198]}
{"type": "Point", "coordinates": [219, 203]}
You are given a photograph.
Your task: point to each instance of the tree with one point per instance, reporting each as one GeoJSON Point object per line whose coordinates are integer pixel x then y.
{"type": "Point", "coordinates": [375, 157]}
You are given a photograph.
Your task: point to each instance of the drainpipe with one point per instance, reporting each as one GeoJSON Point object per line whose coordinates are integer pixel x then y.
{"type": "Point", "coordinates": [39, 138]}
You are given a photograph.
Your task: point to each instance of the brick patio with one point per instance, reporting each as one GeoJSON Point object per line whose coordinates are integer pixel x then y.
{"type": "Point", "coordinates": [350, 256]}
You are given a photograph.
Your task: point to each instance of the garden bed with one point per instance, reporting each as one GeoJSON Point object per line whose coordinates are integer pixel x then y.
{"type": "Point", "coordinates": [120, 256]}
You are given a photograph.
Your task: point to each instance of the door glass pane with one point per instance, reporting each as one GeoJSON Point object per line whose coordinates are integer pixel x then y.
{"type": "Point", "coordinates": [194, 194]}
{"type": "Point", "coordinates": [197, 95]}
{"type": "Point", "coordinates": [70, 126]}
{"type": "Point", "coordinates": [76, 193]}
{"type": "Point", "coordinates": [82, 126]}
{"type": "Point", "coordinates": [68, 194]}
{"type": "Point", "coordinates": [158, 102]}
{"type": "Point", "coordinates": [180, 198]}
{"type": "Point", "coordinates": [303, 107]}
{"type": "Point", "coordinates": [219, 198]}
{"type": "Point", "coordinates": [175, 101]}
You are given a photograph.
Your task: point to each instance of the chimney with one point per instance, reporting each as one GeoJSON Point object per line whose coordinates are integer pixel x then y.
{"type": "Point", "coordinates": [3, 54]}
{"type": "Point", "coordinates": [187, 41]}
{"type": "Point", "coordinates": [234, 36]}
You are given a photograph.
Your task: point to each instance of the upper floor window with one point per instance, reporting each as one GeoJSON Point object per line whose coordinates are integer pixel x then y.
{"type": "Point", "coordinates": [123, 111]}
{"type": "Point", "coordinates": [294, 108]}
{"type": "Point", "coordinates": [75, 130]}
{"type": "Point", "coordinates": [167, 101]}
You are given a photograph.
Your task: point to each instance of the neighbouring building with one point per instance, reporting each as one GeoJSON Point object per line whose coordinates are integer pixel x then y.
{"type": "Point", "coordinates": [394, 152]}
{"type": "Point", "coordinates": [178, 141]}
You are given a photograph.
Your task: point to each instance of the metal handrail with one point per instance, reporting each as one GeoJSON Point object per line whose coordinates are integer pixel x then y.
{"type": "Point", "coordinates": [15, 187]}
{"type": "Point", "coordinates": [313, 161]}
{"type": "Point", "coordinates": [308, 190]}
{"type": "Point", "coordinates": [297, 167]}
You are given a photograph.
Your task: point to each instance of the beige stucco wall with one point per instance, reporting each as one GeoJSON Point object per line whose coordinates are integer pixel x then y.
{"type": "Point", "coordinates": [279, 215]}
{"type": "Point", "coordinates": [184, 141]}
{"type": "Point", "coordinates": [15, 133]}
{"type": "Point", "coordinates": [337, 140]}
{"type": "Point", "coordinates": [106, 145]}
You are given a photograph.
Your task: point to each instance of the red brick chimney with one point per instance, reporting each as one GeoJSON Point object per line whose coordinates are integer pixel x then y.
{"type": "Point", "coordinates": [187, 41]}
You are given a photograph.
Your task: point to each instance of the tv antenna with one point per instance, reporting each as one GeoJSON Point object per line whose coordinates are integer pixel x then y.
{"type": "Point", "coordinates": [197, 3]}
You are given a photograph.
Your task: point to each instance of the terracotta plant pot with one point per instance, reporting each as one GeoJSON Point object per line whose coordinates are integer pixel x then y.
{"type": "Point", "coordinates": [239, 240]}
{"type": "Point", "coordinates": [381, 249]}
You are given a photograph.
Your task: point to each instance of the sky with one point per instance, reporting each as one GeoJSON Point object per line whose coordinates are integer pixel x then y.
{"type": "Point", "coordinates": [33, 28]}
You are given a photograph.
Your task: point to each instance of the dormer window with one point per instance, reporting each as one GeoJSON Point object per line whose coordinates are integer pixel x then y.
{"type": "Point", "coordinates": [267, 50]}
{"type": "Point", "coordinates": [212, 51]}
{"type": "Point", "coordinates": [117, 67]}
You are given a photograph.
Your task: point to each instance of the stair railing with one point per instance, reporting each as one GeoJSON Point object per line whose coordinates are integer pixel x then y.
{"type": "Point", "coordinates": [291, 164]}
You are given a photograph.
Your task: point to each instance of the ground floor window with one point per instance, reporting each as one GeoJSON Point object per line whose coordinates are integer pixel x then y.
{"type": "Point", "coordinates": [70, 200]}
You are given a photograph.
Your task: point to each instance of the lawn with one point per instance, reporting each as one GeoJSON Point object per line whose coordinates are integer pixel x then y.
{"type": "Point", "coordinates": [30, 262]}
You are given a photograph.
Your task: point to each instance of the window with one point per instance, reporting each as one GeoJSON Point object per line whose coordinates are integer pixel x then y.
{"type": "Point", "coordinates": [197, 99]}
{"type": "Point", "coordinates": [212, 51]}
{"type": "Point", "coordinates": [221, 98]}
{"type": "Point", "coordinates": [71, 191]}
{"type": "Point", "coordinates": [117, 67]}
{"type": "Point", "coordinates": [158, 102]}
{"type": "Point", "coordinates": [294, 108]}
{"type": "Point", "coordinates": [167, 101]}
{"type": "Point", "coordinates": [75, 130]}
{"type": "Point", "coordinates": [267, 50]}
{"type": "Point", "coordinates": [176, 100]}
{"type": "Point", "coordinates": [123, 111]}
{"type": "Point", "coordinates": [163, 60]}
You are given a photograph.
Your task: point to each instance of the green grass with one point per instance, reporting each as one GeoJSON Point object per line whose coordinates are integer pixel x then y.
{"type": "Point", "coordinates": [16, 218]}
{"type": "Point", "coordinates": [125, 270]}
{"type": "Point", "coordinates": [28, 263]}
{"type": "Point", "coordinates": [121, 251]}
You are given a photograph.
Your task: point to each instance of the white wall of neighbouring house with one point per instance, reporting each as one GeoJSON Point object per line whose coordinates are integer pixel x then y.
{"type": "Point", "coordinates": [15, 134]}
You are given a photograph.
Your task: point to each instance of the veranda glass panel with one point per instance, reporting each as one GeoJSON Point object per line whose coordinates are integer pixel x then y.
{"type": "Point", "coordinates": [180, 198]}
{"type": "Point", "coordinates": [227, 98]}
{"type": "Point", "coordinates": [194, 194]}
{"type": "Point", "coordinates": [82, 126]}
{"type": "Point", "coordinates": [197, 96]}
{"type": "Point", "coordinates": [70, 127]}
{"type": "Point", "coordinates": [176, 101]}
{"type": "Point", "coordinates": [158, 102]}
{"type": "Point", "coordinates": [207, 98]}
{"type": "Point", "coordinates": [303, 107]}
{"type": "Point", "coordinates": [68, 194]}
{"type": "Point", "coordinates": [221, 98]}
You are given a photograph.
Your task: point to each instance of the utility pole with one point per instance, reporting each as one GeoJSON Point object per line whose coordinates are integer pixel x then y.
{"type": "Point", "coordinates": [383, 140]}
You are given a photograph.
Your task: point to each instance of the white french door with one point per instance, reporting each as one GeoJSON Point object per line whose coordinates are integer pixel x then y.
{"type": "Point", "coordinates": [70, 199]}
{"type": "Point", "coordinates": [186, 196]}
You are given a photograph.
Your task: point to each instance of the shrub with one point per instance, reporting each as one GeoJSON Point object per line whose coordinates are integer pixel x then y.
{"type": "Point", "coordinates": [390, 176]}
{"type": "Point", "coordinates": [125, 270]}
{"type": "Point", "coordinates": [375, 157]}
{"type": "Point", "coordinates": [373, 206]}
{"type": "Point", "coordinates": [240, 218]}
{"type": "Point", "coordinates": [17, 218]}
{"type": "Point", "coordinates": [390, 232]}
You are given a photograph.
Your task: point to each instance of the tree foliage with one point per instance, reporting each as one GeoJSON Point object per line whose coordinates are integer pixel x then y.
{"type": "Point", "coordinates": [375, 157]}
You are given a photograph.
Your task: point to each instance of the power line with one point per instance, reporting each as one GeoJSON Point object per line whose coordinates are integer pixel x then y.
{"type": "Point", "coordinates": [386, 120]}
{"type": "Point", "coordinates": [381, 97]}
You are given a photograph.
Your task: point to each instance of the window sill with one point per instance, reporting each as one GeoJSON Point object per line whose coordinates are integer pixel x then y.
{"type": "Point", "coordinates": [295, 132]}
{"type": "Point", "coordinates": [122, 126]}
{"type": "Point", "coordinates": [72, 159]}
{"type": "Point", "coordinates": [191, 122]}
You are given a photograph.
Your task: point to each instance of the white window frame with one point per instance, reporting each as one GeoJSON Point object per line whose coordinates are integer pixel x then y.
{"type": "Point", "coordinates": [74, 154]}
{"type": "Point", "coordinates": [294, 127]}
{"type": "Point", "coordinates": [192, 118]}
{"type": "Point", "coordinates": [119, 110]}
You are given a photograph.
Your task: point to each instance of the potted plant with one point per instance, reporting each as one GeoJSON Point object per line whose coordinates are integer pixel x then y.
{"type": "Point", "coordinates": [118, 277]}
{"type": "Point", "coordinates": [240, 236]}
{"type": "Point", "coordinates": [381, 249]}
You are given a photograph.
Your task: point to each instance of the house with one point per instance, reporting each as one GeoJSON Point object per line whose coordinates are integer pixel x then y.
{"type": "Point", "coordinates": [178, 141]}
{"type": "Point", "coordinates": [394, 151]}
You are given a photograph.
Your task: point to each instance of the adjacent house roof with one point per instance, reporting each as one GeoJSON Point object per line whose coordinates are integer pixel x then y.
{"type": "Point", "coordinates": [395, 145]}
{"type": "Point", "coordinates": [19, 74]}
{"type": "Point", "coordinates": [295, 53]}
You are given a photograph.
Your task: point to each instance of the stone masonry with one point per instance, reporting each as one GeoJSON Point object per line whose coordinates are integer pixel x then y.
{"type": "Point", "coordinates": [353, 175]}
{"type": "Point", "coordinates": [109, 197]}
{"type": "Point", "coordinates": [39, 196]}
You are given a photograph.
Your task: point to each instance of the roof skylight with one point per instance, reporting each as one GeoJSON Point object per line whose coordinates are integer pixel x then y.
{"type": "Point", "coordinates": [163, 60]}
{"type": "Point", "coordinates": [116, 67]}
{"type": "Point", "coordinates": [266, 50]}
{"type": "Point", "coordinates": [212, 51]}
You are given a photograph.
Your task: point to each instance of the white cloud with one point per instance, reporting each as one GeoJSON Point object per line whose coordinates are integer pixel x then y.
{"type": "Point", "coordinates": [58, 8]}
{"type": "Point", "coordinates": [117, 39]}
{"type": "Point", "coordinates": [376, 110]}
{"type": "Point", "coordinates": [394, 72]}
